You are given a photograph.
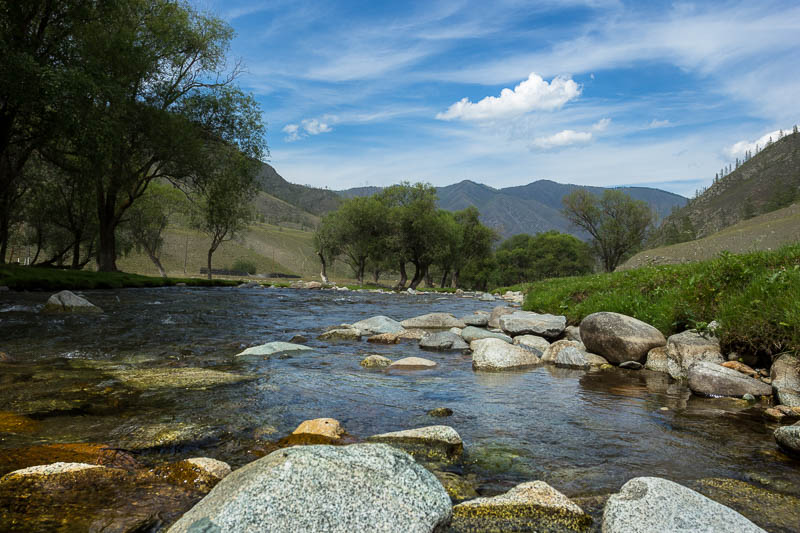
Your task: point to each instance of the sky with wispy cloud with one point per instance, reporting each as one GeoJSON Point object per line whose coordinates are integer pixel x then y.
{"type": "Point", "coordinates": [595, 92]}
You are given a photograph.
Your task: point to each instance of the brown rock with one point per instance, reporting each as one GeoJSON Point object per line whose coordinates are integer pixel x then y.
{"type": "Point", "coordinates": [5, 358]}
{"type": "Point", "coordinates": [789, 412]}
{"type": "Point", "coordinates": [774, 414]}
{"type": "Point", "coordinates": [740, 367]}
{"type": "Point", "coordinates": [384, 338]}
{"type": "Point", "coordinates": [618, 337]}
{"type": "Point", "coordinates": [324, 427]}
{"type": "Point", "coordinates": [411, 335]}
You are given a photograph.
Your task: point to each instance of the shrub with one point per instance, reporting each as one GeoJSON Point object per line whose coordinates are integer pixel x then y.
{"type": "Point", "coordinates": [245, 265]}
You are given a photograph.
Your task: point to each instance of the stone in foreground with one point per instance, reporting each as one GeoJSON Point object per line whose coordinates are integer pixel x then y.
{"type": "Point", "coordinates": [412, 363]}
{"type": "Point", "coordinates": [272, 348]}
{"type": "Point", "coordinates": [788, 438]}
{"type": "Point", "coordinates": [69, 302]}
{"type": "Point", "coordinates": [527, 323]}
{"type": "Point", "coordinates": [433, 321]}
{"type": "Point", "coordinates": [690, 347]}
{"type": "Point", "coordinates": [471, 333]}
{"type": "Point", "coordinates": [378, 325]}
{"type": "Point", "coordinates": [533, 506]}
{"type": "Point", "coordinates": [619, 338]}
{"type": "Point", "coordinates": [651, 505]}
{"type": "Point", "coordinates": [496, 354]}
{"type": "Point", "coordinates": [436, 443]}
{"type": "Point", "coordinates": [711, 379]}
{"type": "Point", "coordinates": [362, 487]}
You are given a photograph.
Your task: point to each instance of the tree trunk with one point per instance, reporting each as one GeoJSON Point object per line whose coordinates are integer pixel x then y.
{"type": "Point", "coordinates": [445, 275]}
{"type": "Point", "coordinates": [157, 262]}
{"type": "Point", "coordinates": [419, 274]}
{"type": "Point", "coordinates": [76, 253]}
{"type": "Point", "coordinates": [401, 284]}
{"type": "Point", "coordinates": [454, 282]}
{"type": "Point", "coordinates": [4, 234]}
{"type": "Point", "coordinates": [324, 272]}
{"type": "Point", "coordinates": [360, 274]}
{"type": "Point", "coordinates": [210, 253]}
{"type": "Point", "coordinates": [429, 278]}
{"type": "Point", "coordinates": [107, 249]}
{"type": "Point", "coordinates": [376, 275]}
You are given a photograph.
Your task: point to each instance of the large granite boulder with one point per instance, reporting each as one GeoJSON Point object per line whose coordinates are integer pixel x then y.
{"type": "Point", "coordinates": [69, 302]}
{"type": "Point", "coordinates": [527, 323]}
{"type": "Point", "coordinates": [651, 504]}
{"type": "Point", "coordinates": [788, 438]}
{"type": "Point", "coordinates": [497, 312]}
{"type": "Point", "coordinates": [785, 375]}
{"type": "Point", "coordinates": [436, 443]}
{"type": "Point", "coordinates": [690, 347]}
{"type": "Point", "coordinates": [378, 325]}
{"type": "Point", "coordinates": [362, 487]}
{"type": "Point", "coordinates": [433, 321]}
{"type": "Point", "coordinates": [533, 506]}
{"type": "Point", "coordinates": [711, 379]}
{"type": "Point", "coordinates": [443, 341]}
{"type": "Point", "coordinates": [497, 354]}
{"type": "Point", "coordinates": [619, 338]}
{"type": "Point", "coordinates": [471, 333]}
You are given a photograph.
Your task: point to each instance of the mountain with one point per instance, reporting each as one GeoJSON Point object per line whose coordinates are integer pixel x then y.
{"type": "Point", "coordinates": [531, 208]}
{"type": "Point", "coordinates": [310, 199]}
{"type": "Point", "coordinates": [767, 181]}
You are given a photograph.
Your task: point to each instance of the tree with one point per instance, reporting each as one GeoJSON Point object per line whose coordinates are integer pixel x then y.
{"type": "Point", "coordinates": [617, 223]}
{"type": "Point", "coordinates": [356, 229]}
{"type": "Point", "coordinates": [149, 217]}
{"type": "Point", "coordinates": [326, 245]}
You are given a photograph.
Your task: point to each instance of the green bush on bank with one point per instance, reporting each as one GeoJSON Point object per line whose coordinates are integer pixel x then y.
{"type": "Point", "coordinates": [53, 279]}
{"type": "Point", "coordinates": [755, 297]}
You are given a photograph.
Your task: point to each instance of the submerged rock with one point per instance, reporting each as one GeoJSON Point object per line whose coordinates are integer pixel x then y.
{"type": "Point", "coordinates": [441, 412]}
{"type": "Point", "coordinates": [711, 379]}
{"type": "Point", "coordinates": [164, 435]}
{"type": "Point", "coordinates": [770, 510]}
{"type": "Point", "coordinates": [619, 338]}
{"type": "Point", "coordinates": [14, 423]}
{"type": "Point", "coordinates": [690, 347]}
{"type": "Point", "coordinates": [412, 363]}
{"type": "Point", "coordinates": [177, 378]}
{"type": "Point", "coordinates": [471, 333]}
{"type": "Point", "coordinates": [649, 504]}
{"type": "Point", "coordinates": [442, 341]}
{"type": "Point", "coordinates": [433, 443]}
{"type": "Point", "coordinates": [785, 375]}
{"type": "Point", "coordinates": [533, 506]}
{"type": "Point", "coordinates": [341, 334]}
{"type": "Point", "coordinates": [384, 338]}
{"type": "Point", "coordinates": [272, 348]}
{"type": "Point", "coordinates": [376, 361]}
{"type": "Point", "coordinates": [458, 488]}
{"type": "Point", "coordinates": [362, 487]}
{"type": "Point", "coordinates": [378, 325]}
{"type": "Point", "coordinates": [496, 354]}
{"type": "Point", "coordinates": [69, 302]}
{"type": "Point", "coordinates": [433, 321]}
{"type": "Point", "coordinates": [88, 453]}
{"type": "Point", "coordinates": [199, 472]}
{"type": "Point", "coordinates": [527, 323]}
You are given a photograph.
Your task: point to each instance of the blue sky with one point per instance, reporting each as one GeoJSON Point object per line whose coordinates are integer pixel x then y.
{"type": "Point", "coordinates": [506, 92]}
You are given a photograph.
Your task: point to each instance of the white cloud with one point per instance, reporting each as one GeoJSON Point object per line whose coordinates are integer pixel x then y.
{"type": "Point", "coordinates": [601, 125]}
{"type": "Point", "coordinates": [659, 124]}
{"type": "Point", "coordinates": [740, 148]}
{"type": "Point", "coordinates": [309, 126]}
{"type": "Point", "coordinates": [562, 139]}
{"type": "Point", "coordinates": [532, 94]}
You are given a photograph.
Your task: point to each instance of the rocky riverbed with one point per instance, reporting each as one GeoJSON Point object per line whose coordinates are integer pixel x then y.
{"type": "Point", "coordinates": [515, 420]}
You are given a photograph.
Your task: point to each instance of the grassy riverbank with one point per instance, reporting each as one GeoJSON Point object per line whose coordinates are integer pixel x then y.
{"type": "Point", "coordinates": [53, 279]}
{"type": "Point", "coordinates": [755, 297]}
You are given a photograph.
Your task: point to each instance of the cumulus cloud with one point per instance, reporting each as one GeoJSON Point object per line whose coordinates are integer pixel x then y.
{"type": "Point", "coordinates": [532, 94]}
{"type": "Point", "coordinates": [309, 126]}
{"type": "Point", "coordinates": [740, 148]}
{"type": "Point", "coordinates": [562, 139]}
{"type": "Point", "coordinates": [601, 125]}
{"type": "Point", "coordinates": [659, 124]}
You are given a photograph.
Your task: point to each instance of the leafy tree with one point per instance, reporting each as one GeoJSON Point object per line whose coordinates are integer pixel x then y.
{"type": "Point", "coordinates": [326, 244]}
{"type": "Point", "coordinates": [357, 230]}
{"type": "Point", "coordinates": [526, 258]}
{"type": "Point", "coordinates": [465, 239]}
{"type": "Point", "coordinates": [617, 223]}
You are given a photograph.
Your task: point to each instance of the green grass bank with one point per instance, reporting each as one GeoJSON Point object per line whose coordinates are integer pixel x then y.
{"type": "Point", "coordinates": [53, 279]}
{"type": "Point", "coordinates": [755, 297]}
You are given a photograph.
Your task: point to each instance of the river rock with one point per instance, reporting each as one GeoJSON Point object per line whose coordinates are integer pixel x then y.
{"type": "Point", "coordinates": [89, 453]}
{"type": "Point", "coordinates": [552, 351]}
{"type": "Point", "coordinates": [486, 297]}
{"type": "Point", "coordinates": [573, 333]}
{"type": "Point", "coordinates": [441, 412]}
{"type": "Point", "coordinates": [412, 363]}
{"type": "Point", "coordinates": [198, 472]}
{"type": "Point", "coordinates": [571, 357]}
{"type": "Point", "coordinates": [378, 325]}
{"type": "Point", "coordinates": [411, 334]}
{"type": "Point", "coordinates": [164, 435]}
{"type": "Point", "coordinates": [711, 379]}
{"type": "Point", "coordinates": [384, 338]}
{"type": "Point", "coordinates": [534, 343]}
{"type": "Point", "coordinates": [478, 319]}
{"type": "Point", "coordinates": [497, 312]}
{"type": "Point", "coordinates": [471, 333]}
{"type": "Point", "coordinates": [651, 504]}
{"type": "Point", "coordinates": [595, 360]}
{"type": "Point", "coordinates": [631, 365]}
{"type": "Point", "coordinates": [433, 321]}
{"type": "Point", "coordinates": [496, 354]}
{"type": "Point", "coordinates": [619, 338]}
{"type": "Point", "coordinates": [657, 360]}
{"type": "Point", "coordinates": [69, 302]}
{"type": "Point", "coordinates": [323, 427]}
{"type": "Point", "coordinates": [443, 341]}
{"type": "Point", "coordinates": [788, 438]}
{"type": "Point", "coordinates": [362, 487]}
{"type": "Point", "coordinates": [532, 506]}
{"type": "Point", "coordinates": [272, 348]}
{"type": "Point", "coordinates": [376, 361]}
{"type": "Point", "coordinates": [147, 379]}
{"type": "Point", "coordinates": [527, 323]}
{"type": "Point", "coordinates": [458, 488]}
{"type": "Point", "coordinates": [436, 443]}
{"type": "Point", "coordinates": [218, 469]}
{"type": "Point", "coordinates": [341, 334]}
{"type": "Point", "coordinates": [740, 367]}
{"type": "Point", "coordinates": [690, 347]}
{"type": "Point", "coordinates": [785, 375]}
{"type": "Point", "coordinates": [312, 285]}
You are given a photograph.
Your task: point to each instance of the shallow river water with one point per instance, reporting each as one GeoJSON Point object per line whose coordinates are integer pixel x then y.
{"type": "Point", "coordinates": [583, 432]}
